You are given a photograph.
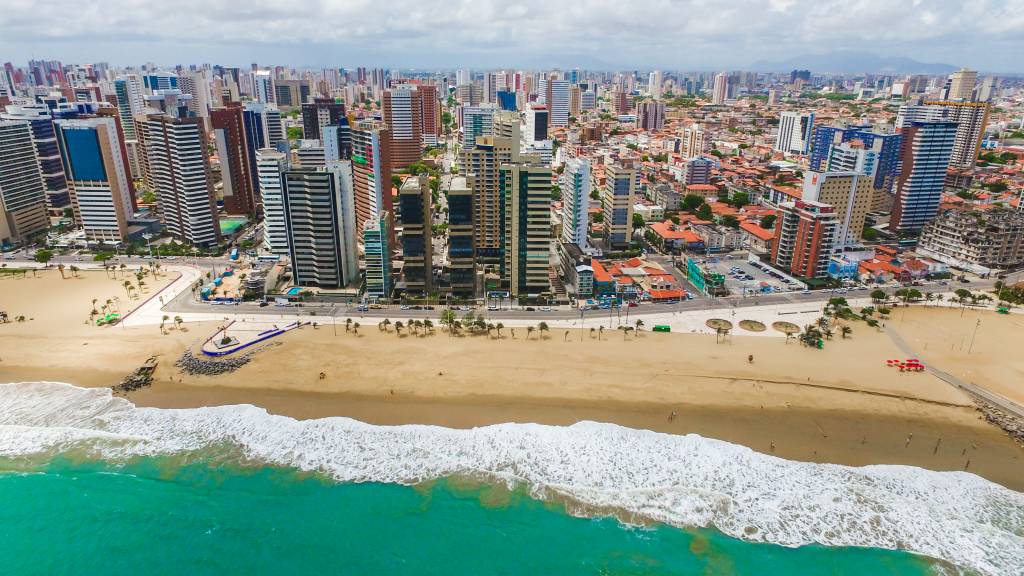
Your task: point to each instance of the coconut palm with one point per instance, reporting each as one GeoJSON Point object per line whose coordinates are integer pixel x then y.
{"type": "Point", "coordinates": [61, 268]}
{"type": "Point", "coordinates": [74, 270]}
{"type": "Point", "coordinates": [428, 325]}
{"type": "Point", "coordinates": [529, 331]}
{"type": "Point", "coordinates": [387, 322]}
{"type": "Point", "coordinates": [600, 331]}
{"type": "Point", "coordinates": [162, 320]}
{"type": "Point", "coordinates": [410, 324]}
{"type": "Point", "coordinates": [177, 322]}
{"type": "Point", "coordinates": [348, 324]}
{"type": "Point", "coordinates": [592, 330]}
{"type": "Point", "coordinates": [355, 328]}
{"type": "Point", "coordinates": [489, 327]}
{"type": "Point", "coordinates": [398, 327]}
{"type": "Point", "coordinates": [639, 325]}
{"type": "Point", "coordinates": [128, 287]}
{"type": "Point", "coordinates": [543, 327]}
{"type": "Point", "coordinates": [498, 327]}
{"type": "Point", "coordinates": [845, 331]}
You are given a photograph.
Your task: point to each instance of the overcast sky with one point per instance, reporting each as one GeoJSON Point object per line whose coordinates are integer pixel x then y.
{"type": "Point", "coordinates": [669, 34]}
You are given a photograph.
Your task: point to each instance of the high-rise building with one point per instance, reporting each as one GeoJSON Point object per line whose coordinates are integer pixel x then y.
{"type": "Point", "coordinates": [130, 103]}
{"type": "Point", "coordinates": [263, 125]}
{"type": "Point", "coordinates": [620, 102]}
{"type": "Point", "coordinates": [536, 124]}
{"type": "Point", "coordinates": [178, 160]}
{"type": "Point", "coordinates": [271, 165]}
{"type": "Point", "coordinates": [697, 171]}
{"type": "Point", "coordinates": [461, 252]}
{"type": "Point", "coordinates": [377, 247]}
{"type": "Point", "coordinates": [925, 154]}
{"type": "Point", "coordinates": [881, 157]}
{"type": "Point", "coordinates": [650, 115]}
{"type": "Point", "coordinates": [430, 114]}
{"type": "Point", "coordinates": [795, 130]}
{"type": "Point", "coordinates": [237, 161]}
{"type": "Point", "coordinates": [263, 86]}
{"type": "Point", "coordinates": [588, 100]}
{"type": "Point", "coordinates": [773, 97]}
{"type": "Point", "coordinates": [558, 102]}
{"type": "Point", "coordinates": [850, 193]}
{"type": "Point", "coordinates": [525, 190]}
{"type": "Point", "coordinates": [319, 113]}
{"type": "Point", "coordinates": [575, 184]}
{"type": "Point", "coordinates": [98, 176]}
{"type": "Point", "coordinates": [402, 109]}
{"type": "Point", "coordinates": [805, 233]}
{"type": "Point", "coordinates": [575, 100]}
{"type": "Point", "coordinates": [469, 94]}
{"type": "Point", "coordinates": [320, 221]}
{"type": "Point", "coordinates": [371, 170]}
{"type": "Point", "coordinates": [988, 89]}
{"type": "Point", "coordinates": [414, 200]}
{"type": "Point", "coordinates": [22, 190]}
{"type": "Point", "coordinates": [620, 187]}
{"type": "Point", "coordinates": [971, 119]}
{"type": "Point", "coordinates": [693, 141]}
{"type": "Point", "coordinates": [195, 85]}
{"type": "Point", "coordinates": [44, 139]}
{"type": "Point", "coordinates": [477, 121]}
{"type": "Point", "coordinates": [291, 93]}
{"type": "Point", "coordinates": [654, 83]}
{"type": "Point", "coordinates": [961, 84]}
{"type": "Point", "coordinates": [482, 162]}
{"type": "Point", "coordinates": [720, 91]}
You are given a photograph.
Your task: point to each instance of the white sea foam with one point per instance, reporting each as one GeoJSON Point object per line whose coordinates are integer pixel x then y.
{"type": "Point", "coordinates": [682, 480]}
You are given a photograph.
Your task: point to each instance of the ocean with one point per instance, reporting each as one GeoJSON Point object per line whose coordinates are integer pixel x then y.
{"type": "Point", "coordinates": [91, 484]}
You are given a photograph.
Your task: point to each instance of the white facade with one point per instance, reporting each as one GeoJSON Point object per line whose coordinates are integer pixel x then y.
{"type": "Point", "coordinates": [269, 165]}
{"type": "Point", "coordinates": [558, 108]}
{"type": "Point", "coordinates": [721, 88]}
{"type": "Point", "coordinates": [795, 129]}
{"type": "Point", "coordinates": [575, 183]}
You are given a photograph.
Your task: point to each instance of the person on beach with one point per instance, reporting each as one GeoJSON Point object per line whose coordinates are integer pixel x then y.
{"type": "Point", "coordinates": [750, 359]}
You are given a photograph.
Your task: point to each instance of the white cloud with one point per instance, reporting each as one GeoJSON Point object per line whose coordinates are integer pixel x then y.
{"type": "Point", "coordinates": [665, 33]}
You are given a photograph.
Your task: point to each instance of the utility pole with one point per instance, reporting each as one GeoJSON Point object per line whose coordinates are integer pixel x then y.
{"type": "Point", "coordinates": [975, 333]}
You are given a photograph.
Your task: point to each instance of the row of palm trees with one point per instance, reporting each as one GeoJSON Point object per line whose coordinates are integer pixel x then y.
{"type": "Point", "coordinates": [177, 323]}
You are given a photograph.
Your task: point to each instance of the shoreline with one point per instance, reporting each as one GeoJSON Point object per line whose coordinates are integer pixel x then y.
{"type": "Point", "coordinates": [841, 404]}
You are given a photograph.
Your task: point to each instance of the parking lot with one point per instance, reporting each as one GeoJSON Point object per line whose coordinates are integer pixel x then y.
{"type": "Point", "coordinates": [746, 279]}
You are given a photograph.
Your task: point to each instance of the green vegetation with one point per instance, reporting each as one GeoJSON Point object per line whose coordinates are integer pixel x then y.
{"type": "Point", "coordinates": [44, 256]}
{"type": "Point", "coordinates": [739, 199]}
{"type": "Point", "coordinates": [768, 222]}
{"type": "Point", "coordinates": [730, 221]}
{"type": "Point", "coordinates": [638, 222]}
{"type": "Point", "coordinates": [704, 212]}
{"type": "Point", "coordinates": [869, 234]}
{"type": "Point", "coordinates": [691, 202]}
{"type": "Point", "coordinates": [556, 192]}
{"type": "Point", "coordinates": [997, 187]}
{"type": "Point", "coordinates": [993, 158]}
{"type": "Point", "coordinates": [683, 102]}
{"type": "Point", "coordinates": [295, 132]}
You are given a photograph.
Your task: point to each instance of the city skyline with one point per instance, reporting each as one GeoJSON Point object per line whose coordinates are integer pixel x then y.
{"type": "Point", "coordinates": [593, 34]}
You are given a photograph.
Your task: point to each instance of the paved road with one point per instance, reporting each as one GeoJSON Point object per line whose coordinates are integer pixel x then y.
{"type": "Point", "coordinates": [1002, 402]}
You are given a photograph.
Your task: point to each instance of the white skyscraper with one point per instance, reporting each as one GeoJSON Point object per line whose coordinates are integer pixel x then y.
{"type": "Point", "coordinates": [721, 88]}
{"type": "Point", "coordinates": [558, 107]}
{"type": "Point", "coordinates": [795, 130]}
{"type": "Point", "coordinates": [177, 167]}
{"type": "Point", "coordinates": [575, 183]}
{"type": "Point", "coordinates": [263, 86]}
{"type": "Point", "coordinates": [693, 142]}
{"type": "Point", "coordinates": [654, 82]}
{"type": "Point", "coordinates": [270, 164]}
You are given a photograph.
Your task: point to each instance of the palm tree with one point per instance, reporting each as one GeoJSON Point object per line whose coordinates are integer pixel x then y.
{"type": "Point", "coordinates": [639, 325]}
{"type": "Point", "coordinates": [543, 327]}
{"type": "Point", "coordinates": [529, 331]}
{"type": "Point", "coordinates": [355, 328]}
{"type": "Point", "coordinates": [600, 331]}
{"type": "Point", "coordinates": [128, 287]}
{"type": "Point", "coordinates": [939, 298]}
{"type": "Point", "coordinates": [162, 320]}
{"type": "Point", "coordinates": [387, 322]}
{"type": "Point", "coordinates": [398, 327]}
{"type": "Point", "coordinates": [490, 327]}
{"type": "Point", "coordinates": [498, 327]}
{"type": "Point", "coordinates": [845, 331]}
{"type": "Point", "coordinates": [410, 324]}
{"type": "Point", "coordinates": [623, 328]}
{"type": "Point", "coordinates": [428, 325]}
{"type": "Point", "coordinates": [592, 330]}
{"type": "Point", "coordinates": [122, 270]}
{"type": "Point", "coordinates": [61, 268]}
{"type": "Point", "coordinates": [177, 322]}
{"type": "Point", "coordinates": [74, 270]}
{"type": "Point", "coordinates": [348, 324]}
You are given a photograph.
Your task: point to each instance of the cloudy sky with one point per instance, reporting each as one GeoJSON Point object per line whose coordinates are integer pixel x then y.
{"type": "Point", "coordinates": [671, 34]}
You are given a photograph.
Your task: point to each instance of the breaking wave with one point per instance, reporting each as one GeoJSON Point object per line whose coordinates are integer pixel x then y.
{"type": "Point", "coordinates": [680, 480]}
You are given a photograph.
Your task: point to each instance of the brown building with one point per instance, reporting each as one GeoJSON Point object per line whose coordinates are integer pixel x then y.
{"type": "Point", "coordinates": [319, 113]}
{"type": "Point", "coordinates": [430, 114]}
{"type": "Point", "coordinates": [403, 106]}
{"type": "Point", "coordinates": [236, 167]}
{"type": "Point", "coordinates": [371, 172]}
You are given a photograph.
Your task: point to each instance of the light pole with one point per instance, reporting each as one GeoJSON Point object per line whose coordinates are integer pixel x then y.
{"type": "Point", "coordinates": [975, 333]}
{"type": "Point", "coordinates": [149, 244]}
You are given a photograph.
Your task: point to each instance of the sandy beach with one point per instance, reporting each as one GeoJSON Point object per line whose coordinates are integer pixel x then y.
{"type": "Point", "coordinates": [840, 404]}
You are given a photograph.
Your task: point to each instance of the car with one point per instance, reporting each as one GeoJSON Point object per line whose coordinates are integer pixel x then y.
{"type": "Point", "coordinates": [404, 307]}
{"type": "Point", "coordinates": [545, 308]}
{"type": "Point", "coordinates": [633, 304]}
{"type": "Point", "coordinates": [805, 291]}
{"type": "Point", "coordinates": [492, 308]}
{"type": "Point", "coordinates": [263, 304]}
{"type": "Point", "coordinates": [530, 309]}
{"type": "Point", "coordinates": [965, 281]}
{"type": "Point", "coordinates": [362, 308]}
{"type": "Point", "coordinates": [428, 307]}
{"type": "Point", "coordinates": [376, 306]}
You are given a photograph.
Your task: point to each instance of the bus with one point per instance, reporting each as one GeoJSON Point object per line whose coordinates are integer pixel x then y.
{"type": "Point", "coordinates": [234, 253]}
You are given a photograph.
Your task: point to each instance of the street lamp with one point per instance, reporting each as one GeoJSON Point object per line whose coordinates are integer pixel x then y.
{"type": "Point", "coordinates": [149, 244]}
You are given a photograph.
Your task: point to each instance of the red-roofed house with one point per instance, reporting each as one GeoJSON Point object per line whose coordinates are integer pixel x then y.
{"type": "Point", "coordinates": [757, 238]}
{"type": "Point", "coordinates": [669, 236]}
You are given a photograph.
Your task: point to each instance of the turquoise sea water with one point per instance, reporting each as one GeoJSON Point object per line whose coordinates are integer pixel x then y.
{"type": "Point", "coordinates": [159, 516]}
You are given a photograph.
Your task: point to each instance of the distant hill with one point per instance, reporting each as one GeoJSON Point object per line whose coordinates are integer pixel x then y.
{"type": "Point", "coordinates": [853, 62]}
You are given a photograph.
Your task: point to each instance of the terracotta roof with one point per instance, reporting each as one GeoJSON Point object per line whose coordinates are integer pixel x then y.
{"type": "Point", "coordinates": [755, 230]}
